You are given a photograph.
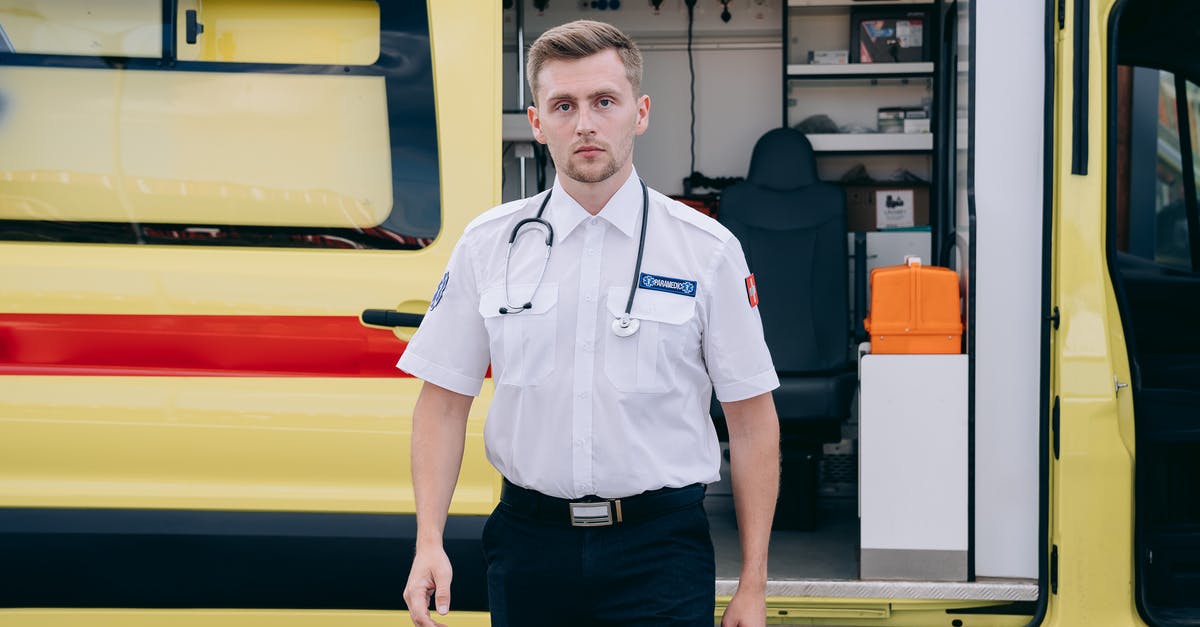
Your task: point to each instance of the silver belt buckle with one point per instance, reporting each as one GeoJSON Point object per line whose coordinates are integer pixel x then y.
{"type": "Point", "coordinates": [591, 514]}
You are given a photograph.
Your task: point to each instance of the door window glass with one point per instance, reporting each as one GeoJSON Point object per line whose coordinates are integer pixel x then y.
{"type": "Point", "coordinates": [232, 148]}
{"type": "Point", "coordinates": [1171, 246]}
{"type": "Point", "coordinates": [130, 28]}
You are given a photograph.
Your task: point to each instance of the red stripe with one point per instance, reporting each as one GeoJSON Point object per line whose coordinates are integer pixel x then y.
{"type": "Point", "coordinates": [207, 346]}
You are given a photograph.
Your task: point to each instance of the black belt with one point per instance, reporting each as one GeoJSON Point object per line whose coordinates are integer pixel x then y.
{"type": "Point", "coordinates": [595, 511]}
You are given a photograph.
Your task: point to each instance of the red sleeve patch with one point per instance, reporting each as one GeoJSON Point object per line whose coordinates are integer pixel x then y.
{"type": "Point", "coordinates": [752, 291]}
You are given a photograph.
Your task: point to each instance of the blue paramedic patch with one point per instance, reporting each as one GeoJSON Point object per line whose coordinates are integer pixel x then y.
{"type": "Point", "coordinates": [441, 289]}
{"type": "Point", "coordinates": [666, 284]}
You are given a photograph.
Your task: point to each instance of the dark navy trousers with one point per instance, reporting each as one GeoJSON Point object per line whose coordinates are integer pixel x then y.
{"type": "Point", "coordinates": [657, 572]}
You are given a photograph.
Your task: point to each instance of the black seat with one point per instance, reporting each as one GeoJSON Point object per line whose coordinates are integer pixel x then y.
{"type": "Point", "coordinates": [792, 227]}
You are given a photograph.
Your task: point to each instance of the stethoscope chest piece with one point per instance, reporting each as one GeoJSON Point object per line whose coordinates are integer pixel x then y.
{"type": "Point", "coordinates": [625, 326]}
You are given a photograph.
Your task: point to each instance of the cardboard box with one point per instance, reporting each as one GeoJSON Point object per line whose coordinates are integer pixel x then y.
{"type": "Point", "coordinates": [891, 120]}
{"type": "Point", "coordinates": [890, 34]}
{"type": "Point", "coordinates": [867, 206]}
{"type": "Point", "coordinates": [916, 126]}
{"type": "Point", "coordinates": [903, 120]}
{"type": "Point", "coordinates": [828, 57]}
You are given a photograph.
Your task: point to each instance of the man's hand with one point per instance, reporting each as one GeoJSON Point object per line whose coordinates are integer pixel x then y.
{"type": "Point", "coordinates": [430, 576]}
{"type": "Point", "coordinates": [745, 610]}
{"type": "Point", "coordinates": [439, 429]}
{"type": "Point", "coordinates": [753, 455]}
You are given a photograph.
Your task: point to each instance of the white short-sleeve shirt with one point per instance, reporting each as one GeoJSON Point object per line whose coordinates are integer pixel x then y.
{"type": "Point", "coordinates": [579, 410]}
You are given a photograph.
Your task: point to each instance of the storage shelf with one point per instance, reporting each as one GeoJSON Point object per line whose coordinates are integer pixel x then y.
{"type": "Point", "coordinates": [850, 3]}
{"type": "Point", "coordinates": [851, 93]}
{"type": "Point", "coordinates": [859, 70]}
{"type": "Point", "coordinates": [871, 142]}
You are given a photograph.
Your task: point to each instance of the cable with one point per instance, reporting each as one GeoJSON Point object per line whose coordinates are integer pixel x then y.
{"type": "Point", "coordinates": [691, 7]}
{"type": "Point", "coordinates": [539, 161]}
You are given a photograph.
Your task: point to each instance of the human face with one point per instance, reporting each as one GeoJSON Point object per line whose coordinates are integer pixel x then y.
{"type": "Point", "coordinates": [588, 115]}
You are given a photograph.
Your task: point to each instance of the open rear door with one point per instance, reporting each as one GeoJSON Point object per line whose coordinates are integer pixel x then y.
{"type": "Point", "coordinates": [1154, 256]}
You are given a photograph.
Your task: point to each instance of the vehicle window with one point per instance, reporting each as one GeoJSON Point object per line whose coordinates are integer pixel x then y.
{"type": "Point", "coordinates": [1171, 246]}
{"type": "Point", "coordinates": [113, 29]}
{"type": "Point", "coordinates": [231, 149]}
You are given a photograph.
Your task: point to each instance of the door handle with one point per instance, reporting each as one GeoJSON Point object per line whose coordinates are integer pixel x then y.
{"type": "Point", "coordinates": [391, 318]}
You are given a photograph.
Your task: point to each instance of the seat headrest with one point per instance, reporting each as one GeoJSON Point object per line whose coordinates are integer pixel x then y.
{"type": "Point", "coordinates": [782, 160]}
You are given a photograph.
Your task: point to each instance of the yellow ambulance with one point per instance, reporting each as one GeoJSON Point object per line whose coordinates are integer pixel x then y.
{"type": "Point", "coordinates": [198, 201]}
{"type": "Point", "coordinates": [220, 221]}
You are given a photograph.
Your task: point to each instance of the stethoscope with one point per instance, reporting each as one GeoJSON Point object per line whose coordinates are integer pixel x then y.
{"type": "Point", "coordinates": [625, 325]}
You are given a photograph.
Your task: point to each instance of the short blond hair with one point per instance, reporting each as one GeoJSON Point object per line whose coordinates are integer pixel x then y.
{"type": "Point", "coordinates": [580, 39]}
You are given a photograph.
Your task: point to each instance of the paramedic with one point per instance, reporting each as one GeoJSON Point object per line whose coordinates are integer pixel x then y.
{"type": "Point", "coordinates": [602, 433]}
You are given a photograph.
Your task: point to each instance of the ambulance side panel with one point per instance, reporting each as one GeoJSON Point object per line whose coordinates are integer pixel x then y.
{"type": "Point", "coordinates": [188, 423]}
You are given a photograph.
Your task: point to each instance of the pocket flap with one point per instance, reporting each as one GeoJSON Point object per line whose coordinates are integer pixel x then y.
{"type": "Point", "coordinates": [651, 305]}
{"type": "Point", "coordinates": [493, 298]}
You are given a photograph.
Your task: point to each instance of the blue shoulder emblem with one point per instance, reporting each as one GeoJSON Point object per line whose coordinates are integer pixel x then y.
{"type": "Point", "coordinates": [441, 289]}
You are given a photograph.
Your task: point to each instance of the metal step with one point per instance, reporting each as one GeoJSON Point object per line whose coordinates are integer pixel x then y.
{"type": "Point", "coordinates": [984, 589]}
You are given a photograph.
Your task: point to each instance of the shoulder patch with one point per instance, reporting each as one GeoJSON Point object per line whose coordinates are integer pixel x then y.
{"type": "Point", "coordinates": [752, 291]}
{"type": "Point", "coordinates": [441, 289]}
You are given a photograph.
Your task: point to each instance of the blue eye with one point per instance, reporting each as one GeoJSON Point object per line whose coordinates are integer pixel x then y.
{"type": "Point", "coordinates": [563, 106]}
{"type": "Point", "coordinates": [605, 102]}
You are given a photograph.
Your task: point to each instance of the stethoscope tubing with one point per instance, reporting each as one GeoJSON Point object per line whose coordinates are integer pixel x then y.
{"type": "Point", "coordinates": [624, 325]}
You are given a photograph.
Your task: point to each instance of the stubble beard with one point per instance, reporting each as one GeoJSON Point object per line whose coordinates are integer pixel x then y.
{"type": "Point", "coordinates": [591, 174]}
{"type": "Point", "coordinates": [595, 172]}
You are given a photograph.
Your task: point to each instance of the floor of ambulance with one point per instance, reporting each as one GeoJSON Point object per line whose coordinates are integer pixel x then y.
{"type": "Point", "coordinates": [828, 552]}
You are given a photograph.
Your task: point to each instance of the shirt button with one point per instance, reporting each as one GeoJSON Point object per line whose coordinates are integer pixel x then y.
{"type": "Point", "coordinates": [588, 298]}
{"type": "Point", "coordinates": [587, 346]}
{"type": "Point", "coordinates": [583, 395]}
{"type": "Point", "coordinates": [591, 251]}
{"type": "Point", "coordinates": [578, 443]}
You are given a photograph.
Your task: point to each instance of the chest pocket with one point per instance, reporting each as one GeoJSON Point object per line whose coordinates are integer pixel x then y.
{"type": "Point", "coordinates": [643, 361]}
{"type": "Point", "coordinates": [523, 345]}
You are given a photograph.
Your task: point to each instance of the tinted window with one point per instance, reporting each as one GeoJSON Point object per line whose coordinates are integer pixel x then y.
{"type": "Point", "coordinates": [121, 149]}
{"type": "Point", "coordinates": [1170, 207]}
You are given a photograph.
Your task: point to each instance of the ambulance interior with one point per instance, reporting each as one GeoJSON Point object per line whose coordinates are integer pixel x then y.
{"type": "Point", "coordinates": [884, 493]}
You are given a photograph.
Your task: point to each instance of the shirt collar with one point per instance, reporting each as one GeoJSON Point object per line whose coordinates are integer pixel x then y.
{"type": "Point", "coordinates": [621, 211]}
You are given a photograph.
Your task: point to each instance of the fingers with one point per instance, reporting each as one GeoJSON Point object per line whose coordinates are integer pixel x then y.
{"type": "Point", "coordinates": [416, 596]}
{"type": "Point", "coordinates": [430, 578]}
{"type": "Point", "coordinates": [441, 579]}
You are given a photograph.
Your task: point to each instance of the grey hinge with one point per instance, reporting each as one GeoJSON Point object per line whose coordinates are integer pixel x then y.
{"type": "Point", "coordinates": [1054, 569]}
{"type": "Point", "coordinates": [1062, 14]}
{"type": "Point", "coordinates": [1054, 317]}
{"type": "Point", "coordinates": [1055, 426]}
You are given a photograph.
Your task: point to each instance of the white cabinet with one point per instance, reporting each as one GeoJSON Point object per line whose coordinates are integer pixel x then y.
{"type": "Point", "coordinates": [913, 467]}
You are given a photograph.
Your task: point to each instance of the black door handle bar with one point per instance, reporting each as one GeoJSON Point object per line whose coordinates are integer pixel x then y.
{"type": "Point", "coordinates": [391, 318]}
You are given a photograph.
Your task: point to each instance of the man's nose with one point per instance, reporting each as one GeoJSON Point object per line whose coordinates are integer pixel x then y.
{"type": "Point", "coordinates": [583, 124]}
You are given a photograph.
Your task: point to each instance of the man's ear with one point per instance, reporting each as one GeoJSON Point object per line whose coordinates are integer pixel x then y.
{"type": "Point", "coordinates": [535, 123]}
{"type": "Point", "coordinates": [643, 114]}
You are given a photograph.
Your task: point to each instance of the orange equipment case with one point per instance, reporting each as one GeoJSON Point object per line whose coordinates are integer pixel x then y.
{"type": "Point", "coordinates": [914, 310]}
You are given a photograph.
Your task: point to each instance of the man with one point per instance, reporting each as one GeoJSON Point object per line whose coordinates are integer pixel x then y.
{"type": "Point", "coordinates": [600, 421]}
